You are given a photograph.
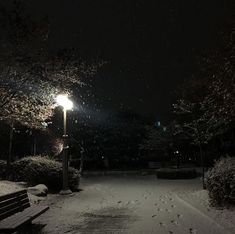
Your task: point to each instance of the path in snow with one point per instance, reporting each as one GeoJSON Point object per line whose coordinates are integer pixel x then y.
{"type": "Point", "coordinates": [127, 205]}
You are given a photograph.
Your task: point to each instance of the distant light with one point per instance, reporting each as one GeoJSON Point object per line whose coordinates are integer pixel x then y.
{"type": "Point", "coordinates": [158, 124]}
{"type": "Point", "coordinates": [63, 101]}
{"type": "Point", "coordinates": [176, 151]}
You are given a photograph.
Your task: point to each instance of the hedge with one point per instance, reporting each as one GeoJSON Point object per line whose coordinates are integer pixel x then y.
{"type": "Point", "coordinates": [42, 170]}
{"type": "Point", "coordinates": [3, 168]}
{"type": "Point", "coordinates": [220, 182]}
{"type": "Point", "coordinates": [182, 173]}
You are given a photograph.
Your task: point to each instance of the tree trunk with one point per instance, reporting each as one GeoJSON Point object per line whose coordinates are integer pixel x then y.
{"type": "Point", "coordinates": [233, 138]}
{"type": "Point", "coordinates": [203, 166]}
{"type": "Point", "coordinates": [34, 144]}
{"type": "Point", "coordinates": [9, 158]}
{"type": "Point", "coordinates": [178, 160]}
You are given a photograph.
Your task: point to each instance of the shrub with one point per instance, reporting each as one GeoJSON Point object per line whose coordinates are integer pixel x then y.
{"type": "Point", "coordinates": [220, 182]}
{"type": "Point", "coordinates": [182, 173]}
{"type": "Point", "coordinates": [3, 169]}
{"type": "Point", "coordinates": [42, 170]}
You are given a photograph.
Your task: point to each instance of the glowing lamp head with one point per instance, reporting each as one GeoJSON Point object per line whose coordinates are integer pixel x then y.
{"type": "Point", "coordinates": [63, 101]}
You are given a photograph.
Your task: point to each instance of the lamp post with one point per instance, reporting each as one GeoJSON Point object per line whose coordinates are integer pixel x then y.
{"type": "Point", "coordinates": [67, 104]}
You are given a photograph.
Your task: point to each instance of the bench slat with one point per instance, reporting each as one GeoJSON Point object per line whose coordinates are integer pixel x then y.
{"type": "Point", "coordinates": [17, 217]}
{"type": "Point", "coordinates": [14, 205]}
{"type": "Point", "coordinates": [15, 221]}
{"type": "Point", "coordinates": [34, 213]}
{"type": "Point", "coordinates": [12, 195]}
{"type": "Point", "coordinates": [13, 211]}
{"type": "Point", "coordinates": [9, 222]}
{"type": "Point", "coordinates": [13, 200]}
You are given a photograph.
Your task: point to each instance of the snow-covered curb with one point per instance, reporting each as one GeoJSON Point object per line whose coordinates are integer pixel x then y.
{"type": "Point", "coordinates": [199, 201]}
{"type": "Point", "coordinates": [10, 187]}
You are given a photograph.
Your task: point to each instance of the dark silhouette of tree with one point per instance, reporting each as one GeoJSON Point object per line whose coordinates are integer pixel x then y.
{"type": "Point", "coordinates": [31, 76]}
{"type": "Point", "coordinates": [205, 106]}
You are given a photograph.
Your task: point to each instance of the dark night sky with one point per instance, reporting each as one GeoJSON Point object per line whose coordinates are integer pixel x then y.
{"type": "Point", "coordinates": [150, 45]}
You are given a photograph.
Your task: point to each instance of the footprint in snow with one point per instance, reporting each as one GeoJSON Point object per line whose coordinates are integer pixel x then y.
{"type": "Point", "coordinates": [167, 210]}
{"type": "Point", "coordinates": [174, 222]}
{"type": "Point", "coordinates": [192, 231]}
{"type": "Point", "coordinates": [163, 201]}
{"type": "Point", "coordinates": [179, 215]}
{"type": "Point", "coordinates": [130, 202]}
{"type": "Point", "coordinates": [162, 224]}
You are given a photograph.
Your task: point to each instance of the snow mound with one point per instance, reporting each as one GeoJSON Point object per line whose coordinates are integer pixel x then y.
{"type": "Point", "coordinates": [10, 187]}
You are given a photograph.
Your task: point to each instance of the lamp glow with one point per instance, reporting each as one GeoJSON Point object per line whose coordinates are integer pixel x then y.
{"type": "Point", "coordinates": [63, 101]}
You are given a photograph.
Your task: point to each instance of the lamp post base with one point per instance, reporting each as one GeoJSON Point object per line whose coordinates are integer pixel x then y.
{"type": "Point", "coordinates": [65, 192]}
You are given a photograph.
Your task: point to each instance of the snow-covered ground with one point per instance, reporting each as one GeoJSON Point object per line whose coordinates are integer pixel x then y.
{"type": "Point", "coordinates": [135, 204]}
{"type": "Point", "coordinates": [9, 187]}
{"type": "Point", "coordinates": [199, 200]}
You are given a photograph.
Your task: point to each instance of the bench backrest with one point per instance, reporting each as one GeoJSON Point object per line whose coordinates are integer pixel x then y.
{"type": "Point", "coordinates": [13, 202]}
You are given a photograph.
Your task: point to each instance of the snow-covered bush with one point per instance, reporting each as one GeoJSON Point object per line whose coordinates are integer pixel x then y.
{"type": "Point", "coordinates": [42, 170]}
{"type": "Point", "coordinates": [3, 167]}
{"type": "Point", "coordinates": [182, 173]}
{"type": "Point", "coordinates": [220, 182]}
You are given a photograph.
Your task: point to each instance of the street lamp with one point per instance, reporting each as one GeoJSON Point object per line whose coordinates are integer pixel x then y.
{"type": "Point", "coordinates": [67, 104]}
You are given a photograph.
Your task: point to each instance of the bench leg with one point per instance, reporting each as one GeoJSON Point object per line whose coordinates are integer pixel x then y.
{"type": "Point", "coordinates": [32, 228]}
{"type": "Point", "coordinates": [26, 229]}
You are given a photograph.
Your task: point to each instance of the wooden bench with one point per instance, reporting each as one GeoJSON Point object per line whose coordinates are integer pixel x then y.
{"type": "Point", "coordinates": [154, 165]}
{"type": "Point", "coordinates": [15, 211]}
